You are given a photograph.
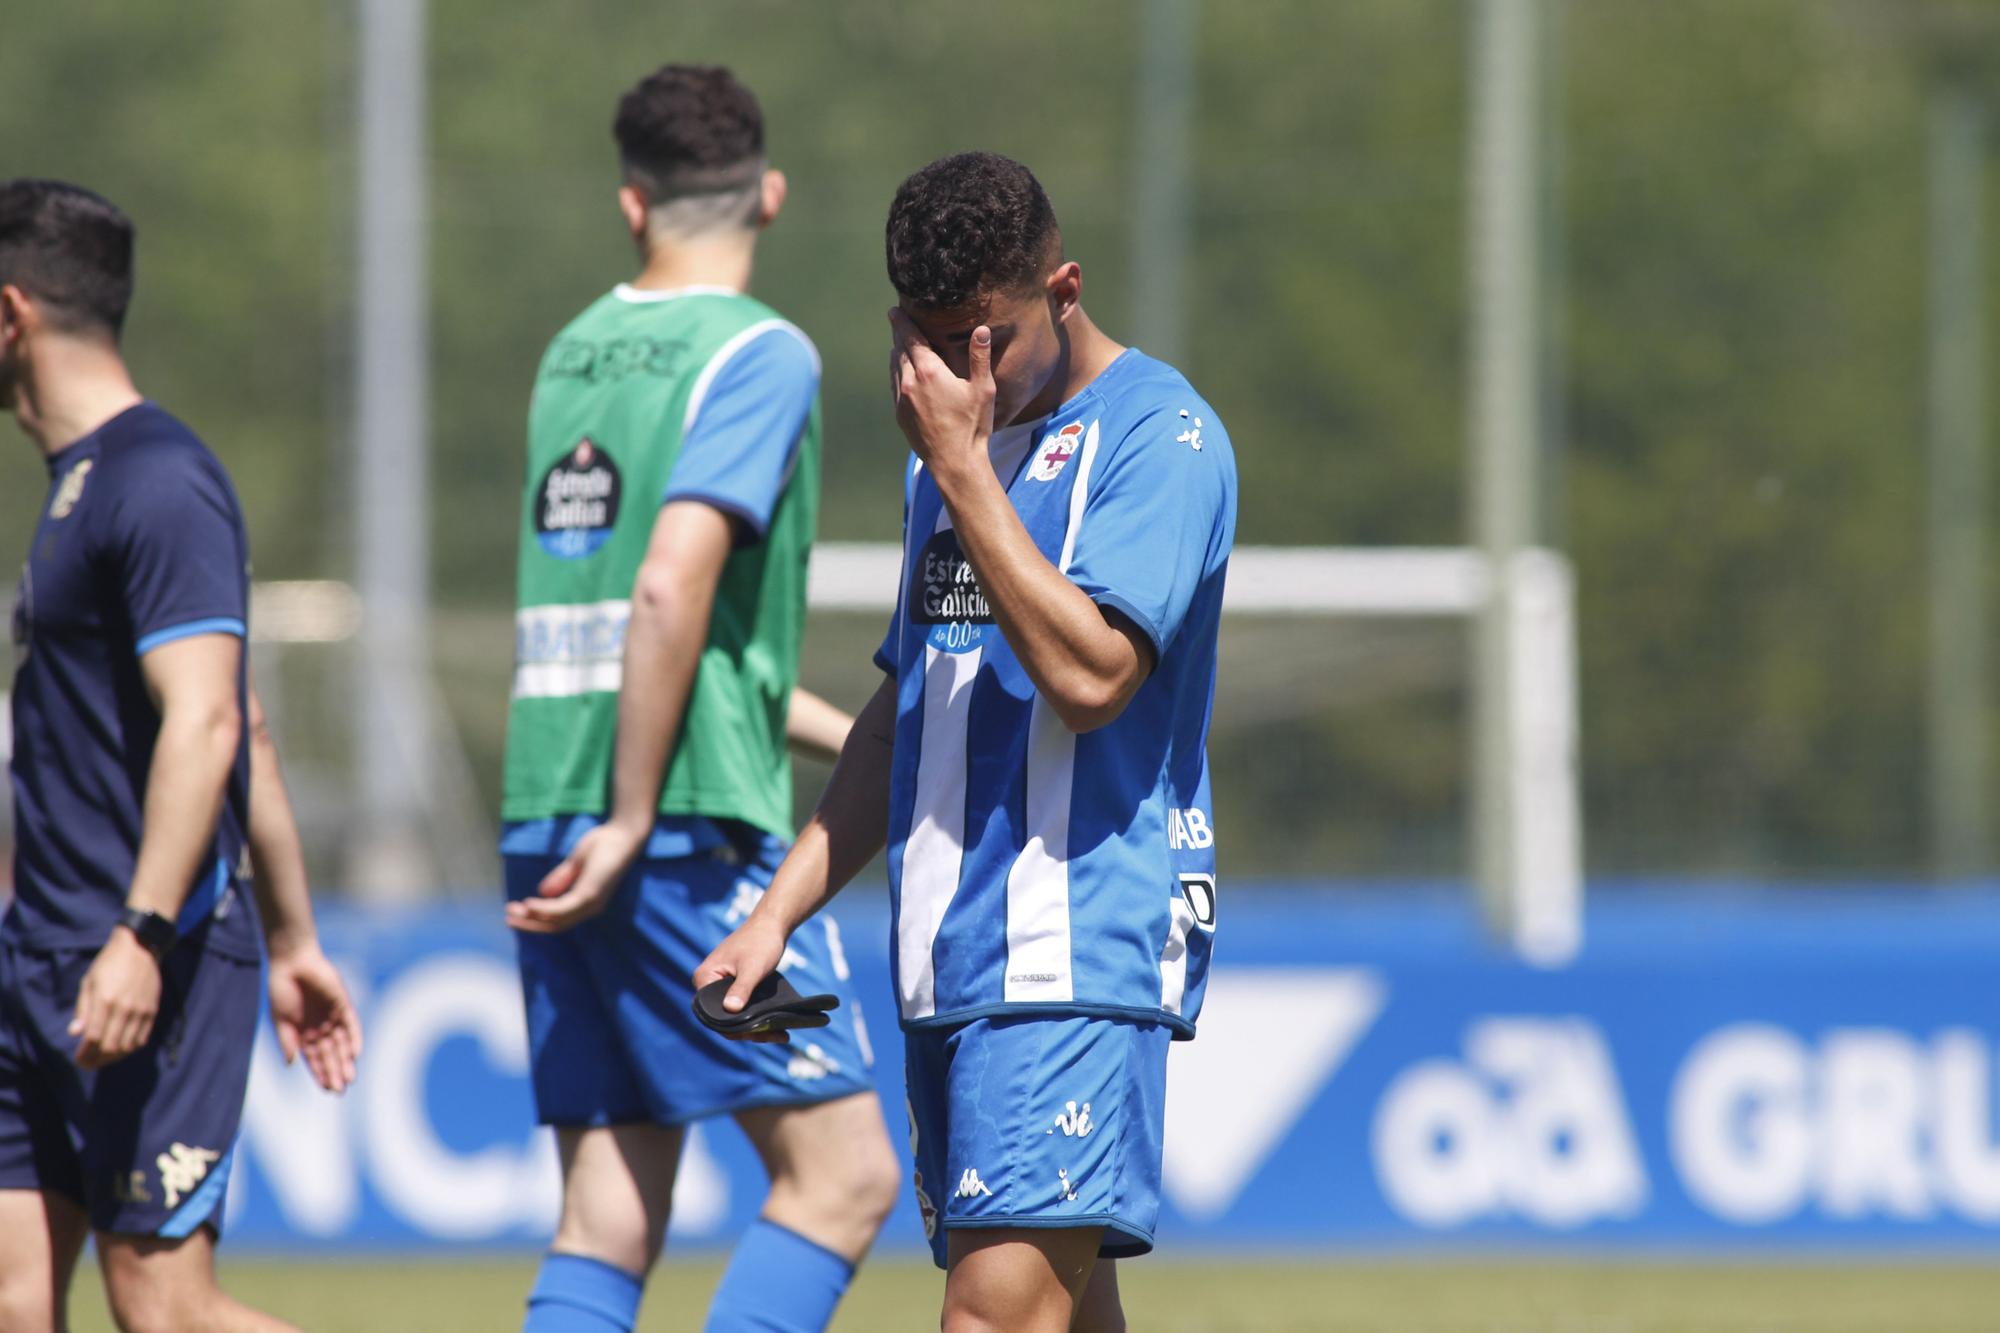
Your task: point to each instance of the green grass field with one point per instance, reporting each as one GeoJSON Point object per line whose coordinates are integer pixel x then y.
{"type": "Point", "coordinates": [1389, 1296]}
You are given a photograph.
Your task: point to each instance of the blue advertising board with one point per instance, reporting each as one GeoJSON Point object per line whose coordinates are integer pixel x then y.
{"type": "Point", "coordinates": [1720, 1069]}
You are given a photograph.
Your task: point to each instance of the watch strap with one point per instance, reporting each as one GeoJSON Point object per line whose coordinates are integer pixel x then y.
{"type": "Point", "coordinates": [158, 934]}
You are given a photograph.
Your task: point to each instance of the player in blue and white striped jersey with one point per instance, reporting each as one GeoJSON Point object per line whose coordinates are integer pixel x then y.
{"type": "Point", "coordinates": [1037, 760]}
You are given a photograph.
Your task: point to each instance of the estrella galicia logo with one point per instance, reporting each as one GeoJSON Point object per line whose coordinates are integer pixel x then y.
{"type": "Point", "coordinates": [945, 595]}
{"type": "Point", "coordinates": [577, 502]}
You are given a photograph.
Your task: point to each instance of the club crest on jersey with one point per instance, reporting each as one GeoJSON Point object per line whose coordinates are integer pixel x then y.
{"type": "Point", "coordinates": [577, 502]}
{"type": "Point", "coordinates": [1056, 451]}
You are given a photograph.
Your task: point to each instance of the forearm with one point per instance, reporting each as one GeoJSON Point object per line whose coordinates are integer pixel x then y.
{"type": "Point", "coordinates": [1082, 665]}
{"type": "Point", "coordinates": [663, 643]}
{"type": "Point", "coordinates": [277, 857]}
{"type": "Point", "coordinates": [849, 825]}
{"type": "Point", "coordinates": [814, 728]}
{"type": "Point", "coordinates": [192, 757]}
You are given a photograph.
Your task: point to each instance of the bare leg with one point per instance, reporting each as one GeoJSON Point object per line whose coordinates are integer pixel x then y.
{"type": "Point", "coordinates": [833, 1174]}
{"type": "Point", "coordinates": [1100, 1310]}
{"type": "Point", "coordinates": [1020, 1280]}
{"type": "Point", "coordinates": [618, 1186]}
{"type": "Point", "coordinates": [157, 1285]}
{"type": "Point", "coordinates": [41, 1235]}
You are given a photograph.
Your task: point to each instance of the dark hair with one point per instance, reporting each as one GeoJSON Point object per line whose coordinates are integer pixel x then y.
{"type": "Point", "coordinates": [69, 249]}
{"type": "Point", "coordinates": [688, 130]}
{"type": "Point", "coordinates": [968, 224]}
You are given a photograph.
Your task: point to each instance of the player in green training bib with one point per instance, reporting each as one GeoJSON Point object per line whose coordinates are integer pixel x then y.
{"type": "Point", "coordinates": [671, 498]}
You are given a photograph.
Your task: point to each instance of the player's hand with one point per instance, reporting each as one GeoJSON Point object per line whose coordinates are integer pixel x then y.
{"type": "Point", "coordinates": [117, 1003]}
{"type": "Point", "coordinates": [947, 420]}
{"type": "Point", "coordinates": [750, 953]}
{"type": "Point", "coordinates": [583, 884]}
{"type": "Point", "coordinates": [313, 1016]}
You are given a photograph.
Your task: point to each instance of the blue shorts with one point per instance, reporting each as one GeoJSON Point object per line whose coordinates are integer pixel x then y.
{"type": "Point", "coordinates": [612, 1036]}
{"type": "Point", "coordinates": [1039, 1122]}
{"type": "Point", "coordinates": [145, 1144]}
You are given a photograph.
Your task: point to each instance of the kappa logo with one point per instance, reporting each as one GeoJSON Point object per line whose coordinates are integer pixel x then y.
{"type": "Point", "coordinates": [1065, 1190]}
{"type": "Point", "coordinates": [1192, 435]}
{"type": "Point", "coordinates": [811, 1063]}
{"type": "Point", "coordinates": [970, 1186]}
{"type": "Point", "coordinates": [744, 902]}
{"type": "Point", "coordinates": [1074, 1123]}
{"type": "Point", "coordinates": [182, 1169]}
{"type": "Point", "coordinates": [71, 490]}
{"type": "Point", "coordinates": [1056, 452]}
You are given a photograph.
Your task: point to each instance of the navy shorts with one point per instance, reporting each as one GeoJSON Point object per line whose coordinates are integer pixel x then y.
{"type": "Point", "coordinates": [612, 1036]}
{"type": "Point", "coordinates": [145, 1144]}
{"type": "Point", "coordinates": [1039, 1122]}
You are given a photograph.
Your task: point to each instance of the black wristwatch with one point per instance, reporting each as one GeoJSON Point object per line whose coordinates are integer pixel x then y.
{"type": "Point", "coordinates": [154, 931]}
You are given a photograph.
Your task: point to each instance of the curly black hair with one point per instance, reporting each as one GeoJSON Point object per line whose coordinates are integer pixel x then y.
{"type": "Point", "coordinates": [69, 249]}
{"type": "Point", "coordinates": [969, 224]}
{"type": "Point", "coordinates": [689, 129]}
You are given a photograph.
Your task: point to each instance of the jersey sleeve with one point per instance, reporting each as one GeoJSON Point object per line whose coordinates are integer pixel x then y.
{"type": "Point", "coordinates": [1157, 520]}
{"type": "Point", "coordinates": [175, 552]}
{"type": "Point", "coordinates": [745, 426]}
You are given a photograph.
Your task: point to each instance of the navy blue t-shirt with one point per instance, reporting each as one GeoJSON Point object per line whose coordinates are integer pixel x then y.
{"type": "Point", "coordinates": [140, 543]}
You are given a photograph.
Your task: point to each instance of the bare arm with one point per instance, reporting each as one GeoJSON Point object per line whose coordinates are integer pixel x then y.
{"type": "Point", "coordinates": [309, 1004]}
{"type": "Point", "coordinates": [1087, 662]}
{"type": "Point", "coordinates": [192, 683]}
{"type": "Point", "coordinates": [847, 828]}
{"type": "Point", "coordinates": [814, 728]}
{"type": "Point", "coordinates": [672, 599]}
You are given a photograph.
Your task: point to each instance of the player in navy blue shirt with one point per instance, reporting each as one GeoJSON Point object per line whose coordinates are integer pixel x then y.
{"type": "Point", "coordinates": [145, 792]}
{"type": "Point", "coordinates": [1036, 761]}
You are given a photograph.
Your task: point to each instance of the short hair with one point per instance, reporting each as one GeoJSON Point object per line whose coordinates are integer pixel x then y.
{"type": "Point", "coordinates": [966, 225]}
{"type": "Point", "coordinates": [71, 250]}
{"type": "Point", "coordinates": [691, 139]}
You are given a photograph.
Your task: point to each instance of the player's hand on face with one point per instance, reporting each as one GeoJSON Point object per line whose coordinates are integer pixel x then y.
{"type": "Point", "coordinates": [947, 420]}
{"type": "Point", "coordinates": [117, 1002]}
{"type": "Point", "coordinates": [751, 952]}
{"type": "Point", "coordinates": [582, 886]}
{"type": "Point", "coordinates": [313, 1016]}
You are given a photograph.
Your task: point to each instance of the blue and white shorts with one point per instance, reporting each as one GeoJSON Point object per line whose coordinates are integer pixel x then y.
{"type": "Point", "coordinates": [1039, 1122]}
{"type": "Point", "coordinates": [612, 1036]}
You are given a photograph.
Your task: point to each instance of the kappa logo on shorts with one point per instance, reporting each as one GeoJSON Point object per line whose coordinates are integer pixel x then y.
{"type": "Point", "coordinates": [1073, 1123]}
{"type": "Point", "coordinates": [970, 1186]}
{"type": "Point", "coordinates": [1065, 1190]}
{"type": "Point", "coordinates": [182, 1169]}
{"type": "Point", "coordinates": [744, 902]}
{"type": "Point", "coordinates": [811, 1063]}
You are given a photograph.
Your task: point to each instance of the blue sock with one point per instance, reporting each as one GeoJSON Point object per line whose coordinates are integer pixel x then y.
{"type": "Point", "coordinates": [778, 1282]}
{"type": "Point", "coordinates": [576, 1294]}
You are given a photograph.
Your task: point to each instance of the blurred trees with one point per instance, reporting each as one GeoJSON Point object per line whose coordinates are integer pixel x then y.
{"type": "Point", "coordinates": [1740, 322]}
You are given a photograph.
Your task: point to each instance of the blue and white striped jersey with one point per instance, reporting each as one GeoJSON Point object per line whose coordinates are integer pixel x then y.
{"type": "Point", "coordinates": [1032, 869]}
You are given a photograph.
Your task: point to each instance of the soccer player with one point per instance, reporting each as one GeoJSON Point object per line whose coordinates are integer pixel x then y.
{"type": "Point", "coordinates": [672, 497]}
{"type": "Point", "coordinates": [1036, 759]}
{"type": "Point", "coordinates": [142, 774]}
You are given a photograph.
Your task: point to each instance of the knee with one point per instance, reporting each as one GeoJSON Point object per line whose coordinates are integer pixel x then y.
{"type": "Point", "coordinates": [140, 1303]}
{"type": "Point", "coordinates": [27, 1303]}
{"type": "Point", "coordinates": [874, 1178]}
{"type": "Point", "coordinates": [863, 1182]}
